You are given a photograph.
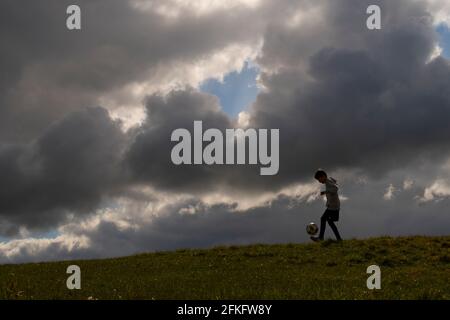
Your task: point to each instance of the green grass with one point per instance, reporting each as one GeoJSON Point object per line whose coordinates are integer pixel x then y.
{"type": "Point", "coordinates": [411, 268]}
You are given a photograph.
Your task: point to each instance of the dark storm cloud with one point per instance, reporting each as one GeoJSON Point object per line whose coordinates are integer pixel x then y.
{"type": "Point", "coordinates": [69, 169]}
{"type": "Point", "coordinates": [366, 100]}
{"type": "Point", "coordinates": [149, 156]}
{"type": "Point", "coordinates": [370, 101]}
{"type": "Point", "coordinates": [48, 71]}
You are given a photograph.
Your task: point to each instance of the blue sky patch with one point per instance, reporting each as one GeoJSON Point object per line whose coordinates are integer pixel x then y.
{"type": "Point", "coordinates": [444, 39]}
{"type": "Point", "coordinates": [237, 91]}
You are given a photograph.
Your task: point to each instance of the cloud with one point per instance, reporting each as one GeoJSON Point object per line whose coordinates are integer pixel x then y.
{"type": "Point", "coordinates": [148, 157]}
{"type": "Point", "coordinates": [48, 71]}
{"type": "Point", "coordinates": [408, 184]}
{"type": "Point", "coordinates": [26, 250]}
{"type": "Point", "coordinates": [364, 100]}
{"type": "Point", "coordinates": [439, 190]}
{"type": "Point", "coordinates": [175, 8]}
{"type": "Point", "coordinates": [71, 168]}
{"type": "Point", "coordinates": [440, 10]}
{"type": "Point", "coordinates": [389, 192]}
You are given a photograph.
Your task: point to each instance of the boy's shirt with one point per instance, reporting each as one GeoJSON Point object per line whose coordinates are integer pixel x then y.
{"type": "Point", "coordinates": [331, 192]}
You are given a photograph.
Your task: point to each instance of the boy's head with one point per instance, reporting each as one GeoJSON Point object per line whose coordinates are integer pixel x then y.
{"type": "Point", "coordinates": [321, 176]}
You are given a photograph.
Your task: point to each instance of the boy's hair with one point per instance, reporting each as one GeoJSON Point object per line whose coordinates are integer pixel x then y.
{"type": "Point", "coordinates": [320, 173]}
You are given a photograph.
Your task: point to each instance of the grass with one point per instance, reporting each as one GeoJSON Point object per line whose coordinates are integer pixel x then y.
{"type": "Point", "coordinates": [411, 268]}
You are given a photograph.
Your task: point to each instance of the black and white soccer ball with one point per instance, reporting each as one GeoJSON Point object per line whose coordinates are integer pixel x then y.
{"type": "Point", "coordinates": [312, 228]}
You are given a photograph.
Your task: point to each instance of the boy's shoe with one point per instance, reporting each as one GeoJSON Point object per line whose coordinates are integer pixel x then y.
{"type": "Point", "coordinates": [316, 239]}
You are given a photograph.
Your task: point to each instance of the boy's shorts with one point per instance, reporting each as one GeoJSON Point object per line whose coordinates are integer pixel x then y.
{"type": "Point", "coordinates": [332, 215]}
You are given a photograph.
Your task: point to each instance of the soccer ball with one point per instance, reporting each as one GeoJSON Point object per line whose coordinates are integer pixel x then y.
{"type": "Point", "coordinates": [312, 228]}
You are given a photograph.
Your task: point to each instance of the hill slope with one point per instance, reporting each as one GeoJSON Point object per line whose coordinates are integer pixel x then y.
{"type": "Point", "coordinates": [411, 268]}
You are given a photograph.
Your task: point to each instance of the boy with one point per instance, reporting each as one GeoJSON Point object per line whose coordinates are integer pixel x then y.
{"type": "Point", "coordinates": [331, 214]}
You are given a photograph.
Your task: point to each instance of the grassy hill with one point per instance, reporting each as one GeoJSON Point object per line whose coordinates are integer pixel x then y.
{"type": "Point", "coordinates": [411, 268]}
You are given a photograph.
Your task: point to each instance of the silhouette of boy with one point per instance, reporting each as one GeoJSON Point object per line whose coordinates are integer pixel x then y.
{"type": "Point", "coordinates": [331, 214]}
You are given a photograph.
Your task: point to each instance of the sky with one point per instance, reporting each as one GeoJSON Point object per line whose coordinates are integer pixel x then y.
{"type": "Point", "coordinates": [86, 118]}
{"type": "Point", "coordinates": [444, 39]}
{"type": "Point", "coordinates": [237, 91]}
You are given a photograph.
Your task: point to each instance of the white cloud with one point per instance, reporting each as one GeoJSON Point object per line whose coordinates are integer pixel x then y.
{"type": "Point", "coordinates": [437, 52]}
{"type": "Point", "coordinates": [173, 8]}
{"type": "Point", "coordinates": [389, 194]}
{"type": "Point", "coordinates": [440, 10]}
{"type": "Point", "coordinates": [408, 184]}
{"type": "Point", "coordinates": [437, 191]}
{"type": "Point", "coordinates": [243, 119]}
{"type": "Point", "coordinates": [41, 249]}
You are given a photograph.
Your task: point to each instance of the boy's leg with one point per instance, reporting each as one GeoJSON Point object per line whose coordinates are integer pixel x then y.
{"type": "Point", "coordinates": [323, 224]}
{"type": "Point", "coordinates": [335, 229]}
